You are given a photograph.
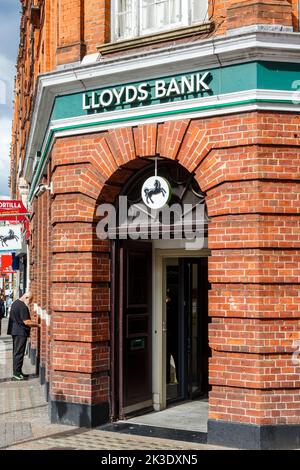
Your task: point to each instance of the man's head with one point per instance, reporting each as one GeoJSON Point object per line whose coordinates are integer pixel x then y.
{"type": "Point", "coordinates": [26, 298]}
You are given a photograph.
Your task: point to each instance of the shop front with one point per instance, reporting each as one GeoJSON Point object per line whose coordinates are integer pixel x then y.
{"type": "Point", "coordinates": [136, 313]}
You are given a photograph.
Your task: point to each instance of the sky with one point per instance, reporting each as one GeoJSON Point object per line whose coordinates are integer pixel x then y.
{"type": "Point", "coordinates": [9, 41]}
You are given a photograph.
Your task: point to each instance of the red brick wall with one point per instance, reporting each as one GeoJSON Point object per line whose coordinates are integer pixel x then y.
{"type": "Point", "coordinates": [70, 27]}
{"type": "Point", "coordinates": [96, 24]}
{"type": "Point", "coordinates": [259, 12]}
{"type": "Point", "coordinates": [248, 166]}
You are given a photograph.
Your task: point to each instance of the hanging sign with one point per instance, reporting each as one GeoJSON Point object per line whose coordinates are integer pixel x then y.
{"type": "Point", "coordinates": [12, 210]}
{"type": "Point", "coordinates": [15, 212]}
{"type": "Point", "coordinates": [6, 264]}
{"type": "Point", "coordinates": [10, 238]}
{"type": "Point", "coordinates": [156, 192]}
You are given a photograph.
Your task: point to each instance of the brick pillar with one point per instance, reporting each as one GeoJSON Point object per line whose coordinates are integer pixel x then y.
{"type": "Point", "coordinates": [254, 301]}
{"type": "Point", "coordinates": [253, 12]}
{"type": "Point", "coordinates": [70, 31]}
{"type": "Point", "coordinates": [79, 294]}
{"type": "Point", "coordinates": [97, 24]}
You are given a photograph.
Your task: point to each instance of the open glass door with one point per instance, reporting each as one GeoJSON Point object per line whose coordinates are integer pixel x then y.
{"type": "Point", "coordinates": [186, 328]}
{"type": "Point", "coordinates": [195, 295]}
{"type": "Point", "coordinates": [175, 336]}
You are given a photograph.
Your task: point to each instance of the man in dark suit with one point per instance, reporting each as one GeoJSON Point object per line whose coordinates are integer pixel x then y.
{"type": "Point", "coordinates": [19, 325]}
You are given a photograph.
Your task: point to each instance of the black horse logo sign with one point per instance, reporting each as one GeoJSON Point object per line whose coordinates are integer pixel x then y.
{"type": "Point", "coordinates": [149, 193]}
{"type": "Point", "coordinates": [11, 236]}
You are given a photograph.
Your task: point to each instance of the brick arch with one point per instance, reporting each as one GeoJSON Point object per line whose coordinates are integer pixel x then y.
{"type": "Point", "coordinates": [120, 152]}
{"type": "Point", "coordinates": [87, 169]}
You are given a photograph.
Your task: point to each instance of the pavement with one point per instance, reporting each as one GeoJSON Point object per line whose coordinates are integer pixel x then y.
{"type": "Point", "coordinates": [25, 424]}
{"type": "Point", "coordinates": [187, 416]}
{"type": "Point", "coordinates": [23, 409]}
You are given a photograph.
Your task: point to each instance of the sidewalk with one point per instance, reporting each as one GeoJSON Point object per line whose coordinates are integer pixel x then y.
{"type": "Point", "coordinates": [24, 421]}
{"type": "Point", "coordinates": [23, 409]}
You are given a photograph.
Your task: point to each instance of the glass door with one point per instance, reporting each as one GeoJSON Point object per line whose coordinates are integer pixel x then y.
{"type": "Point", "coordinates": [175, 335]}
{"type": "Point", "coordinates": [186, 328]}
{"type": "Point", "coordinates": [195, 304]}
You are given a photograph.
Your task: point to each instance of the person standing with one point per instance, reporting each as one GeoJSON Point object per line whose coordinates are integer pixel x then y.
{"type": "Point", "coordinates": [2, 310]}
{"type": "Point", "coordinates": [172, 333]}
{"type": "Point", "coordinates": [19, 325]}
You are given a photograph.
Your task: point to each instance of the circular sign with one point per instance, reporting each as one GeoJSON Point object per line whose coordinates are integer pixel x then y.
{"type": "Point", "coordinates": [156, 192]}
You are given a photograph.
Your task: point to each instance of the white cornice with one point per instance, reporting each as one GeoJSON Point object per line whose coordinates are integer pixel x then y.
{"type": "Point", "coordinates": [192, 108]}
{"type": "Point", "coordinates": [237, 47]}
{"type": "Point", "coordinates": [235, 108]}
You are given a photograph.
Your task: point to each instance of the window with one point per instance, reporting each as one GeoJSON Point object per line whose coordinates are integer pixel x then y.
{"type": "Point", "coordinates": [132, 18]}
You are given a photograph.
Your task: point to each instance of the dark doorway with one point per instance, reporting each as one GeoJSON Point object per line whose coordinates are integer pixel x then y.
{"type": "Point", "coordinates": [133, 327]}
{"type": "Point", "coordinates": [187, 329]}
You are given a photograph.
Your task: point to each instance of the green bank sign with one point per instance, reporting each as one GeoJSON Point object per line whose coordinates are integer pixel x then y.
{"type": "Point", "coordinates": [265, 82]}
{"type": "Point", "coordinates": [173, 88]}
{"type": "Point", "coordinates": [195, 84]}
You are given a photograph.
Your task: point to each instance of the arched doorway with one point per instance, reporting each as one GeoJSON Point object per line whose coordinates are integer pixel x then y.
{"type": "Point", "coordinates": [159, 325]}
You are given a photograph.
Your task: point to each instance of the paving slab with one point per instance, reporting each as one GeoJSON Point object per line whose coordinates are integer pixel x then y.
{"type": "Point", "coordinates": [25, 424]}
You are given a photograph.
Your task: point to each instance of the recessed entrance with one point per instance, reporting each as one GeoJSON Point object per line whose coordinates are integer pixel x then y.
{"type": "Point", "coordinates": [161, 328]}
{"type": "Point", "coordinates": [186, 326]}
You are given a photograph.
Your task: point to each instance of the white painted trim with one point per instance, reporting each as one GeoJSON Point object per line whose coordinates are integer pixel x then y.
{"type": "Point", "coordinates": [176, 59]}
{"type": "Point", "coordinates": [90, 59]}
{"type": "Point", "coordinates": [159, 257]}
{"type": "Point", "coordinates": [215, 100]}
{"type": "Point", "coordinates": [264, 28]}
{"type": "Point", "coordinates": [158, 341]}
{"type": "Point", "coordinates": [138, 121]}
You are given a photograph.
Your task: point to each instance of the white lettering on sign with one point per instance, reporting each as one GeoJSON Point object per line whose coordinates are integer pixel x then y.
{"type": "Point", "coordinates": [160, 89]}
{"type": "Point", "coordinates": [10, 205]}
{"type": "Point", "coordinates": [129, 94]}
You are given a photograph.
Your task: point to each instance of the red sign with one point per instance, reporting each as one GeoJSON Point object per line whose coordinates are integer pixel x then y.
{"type": "Point", "coordinates": [12, 210]}
{"type": "Point", "coordinates": [6, 264]}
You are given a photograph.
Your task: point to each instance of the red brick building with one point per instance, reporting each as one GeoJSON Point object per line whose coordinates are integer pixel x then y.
{"type": "Point", "coordinates": [210, 89]}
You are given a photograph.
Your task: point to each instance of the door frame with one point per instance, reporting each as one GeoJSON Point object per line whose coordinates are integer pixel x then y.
{"type": "Point", "coordinates": [159, 318]}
